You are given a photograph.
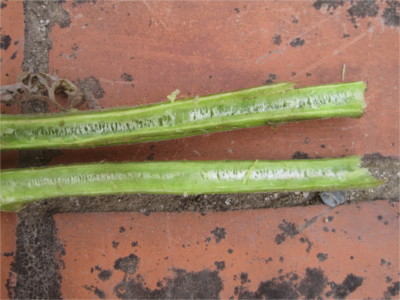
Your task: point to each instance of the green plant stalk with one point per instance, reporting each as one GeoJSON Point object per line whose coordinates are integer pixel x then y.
{"type": "Point", "coordinates": [270, 104]}
{"type": "Point", "coordinates": [20, 186]}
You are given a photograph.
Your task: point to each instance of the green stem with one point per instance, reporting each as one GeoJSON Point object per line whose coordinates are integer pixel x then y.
{"type": "Point", "coordinates": [277, 103]}
{"type": "Point", "coordinates": [21, 186]}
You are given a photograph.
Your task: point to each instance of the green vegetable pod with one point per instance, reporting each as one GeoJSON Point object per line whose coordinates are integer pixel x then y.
{"type": "Point", "coordinates": [20, 186]}
{"type": "Point", "coordinates": [269, 104]}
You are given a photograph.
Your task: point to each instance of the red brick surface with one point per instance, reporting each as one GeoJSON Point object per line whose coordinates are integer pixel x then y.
{"type": "Point", "coordinates": [12, 25]}
{"type": "Point", "coordinates": [353, 239]}
{"type": "Point", "coordinates": [8, 223]}
{"type": "Point", "coordinates": [209, 47]}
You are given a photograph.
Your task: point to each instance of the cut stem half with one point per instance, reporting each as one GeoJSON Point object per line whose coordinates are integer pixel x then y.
{"type": "Point", "coordinates": [20, 186]}
{"type": "Point", "coordinates": [270, 104]}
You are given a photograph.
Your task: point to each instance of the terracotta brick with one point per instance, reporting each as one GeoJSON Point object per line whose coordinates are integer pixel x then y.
{"type": "Point", "coordinates": [7, 251]}
{"type": "Point", "coordinates": [222, 46]}
{"type": "Point", "coordinates": [111, 254]}
{"type": "Point", "coordinates": [12, 32]}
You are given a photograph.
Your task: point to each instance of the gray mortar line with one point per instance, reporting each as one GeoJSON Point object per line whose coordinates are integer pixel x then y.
{"type": "Point", "coordinates": [37, 261]}
{"type": "Point", "coordinates": [40, 16]}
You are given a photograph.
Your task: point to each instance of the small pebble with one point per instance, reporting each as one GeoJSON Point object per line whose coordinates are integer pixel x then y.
{"type": "Point", "coordinates": [333, 199]}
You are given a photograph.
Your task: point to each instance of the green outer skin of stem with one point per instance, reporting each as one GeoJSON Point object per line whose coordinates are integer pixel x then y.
{"type": "Point", "coordinates": [270, 104]}
{"type": "Point", "coordinates": [20, 186]}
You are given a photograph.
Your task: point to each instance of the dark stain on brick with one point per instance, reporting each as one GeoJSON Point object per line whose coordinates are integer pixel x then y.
{"type": "Point", "coordinates": [322, 256]}
{"type": "Point", "coordinates": [271, 78]}
{"type": "Point", "coordinates": [122, 229]}
{"type": "Point", "coordinates": [391, 16]}
{"type": "Point", "coordinates": [364, 8]}
{"type": "Point", "coordinates": [115, 244]}
{"type": "Point", "coordinates": [3, 5]}
{"type": "Point", "coordinates": [99, 293]}
{"type": "Point", "coordinates": [345, 35]}
{"type": "Point", "coordinates": [392, 290]}
{"type": "Point", "coordinates": [277, 39]}
{"type": "Point", "coordinates": [91, 84]}
{"type": "Point", "coordinates": [14, 55]}
{"type": "Point", "coordinates": [272, 289]}
{"type": "Point", "coordinates": [292, 276]}
{"type": "Point", "coordinates": [382, 219]}
{"type": "Point", "coordinates": [220, 265]}
{"type": "Point", "coordinates": [237, 10]}
{"type": "Point", "coordinates": [150, 156]}
{"type": "Point", "coordinates": [313, 284]}
{"type": "Point", "coordinates": [384, 262]}
{"type": "Point", "coordinates": [103, 274]}
{"type": "Point", "coordinates": [8, 254]}
{"type": "Point", "coordinates": [244, 278]}
{"type": "Point", "coordinates": [309, 243]}
{"type": "Point", "coordinates": [297, 42]}
{"type": "Point", "coordinates": [230, 251]}
{"type": "Point", "coordinates": [127, 264]}
{"type": "Point", "coordinates": [80, 2]}
{"type": "Point", "coordinates": [134, 243]}
{"type": "Point", "coordinates": [288, 230]}
{"type": "Point", "coordinates": [280, 238]}
{"type": "Point", "coordinates": [267, 260]}
{"type": "Point", "coordinates": [5, 41]}
{"type": "Point", "coordinates": [300, 155]}
{"type": "Point", "coordinates": [328, 4]}
{"type": "Point", "coordinates": [127, 77]}
{"type": "Point", "coordinates": [219, 234]}
{"type": "Point", "coordinates": [349, 285]}
{"type": "Point", "coordinates": [205, 284]}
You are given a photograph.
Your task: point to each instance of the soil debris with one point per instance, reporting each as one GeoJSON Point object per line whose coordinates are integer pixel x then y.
{"type": "Point", "coordinates": [313, 284]}
{"type": "Point", "coordinates": [391, 15]}
{"type": "Point", "coordinates": [5, 41]}
{"type": "Point", "coordinates": [328, 4]}
{"type": "Point", "coordinates": [364, 8]}
{"type": "Point", "coordinates": [297, 42]}
{"type": "Point", "coordinates": [127, 264]}
{"type": "Point", "coordinates": [349, 285]}
{"type": "Point", "coordinates": [219, 234]}
{"type": "Point", "coordinates": [184, 285]}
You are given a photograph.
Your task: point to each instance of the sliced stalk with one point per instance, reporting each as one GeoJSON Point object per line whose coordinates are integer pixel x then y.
{"type": "Point", "coordinates": [21, 186]}
{"type": "Point", "coordinates": [277, 103]}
